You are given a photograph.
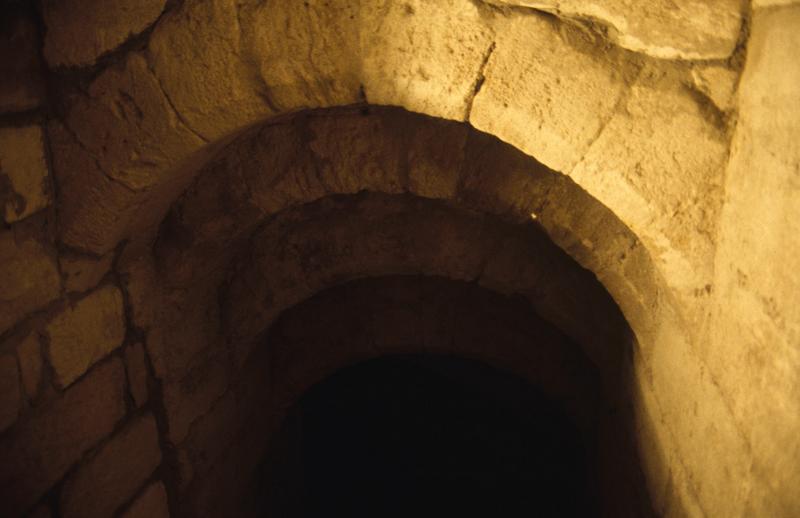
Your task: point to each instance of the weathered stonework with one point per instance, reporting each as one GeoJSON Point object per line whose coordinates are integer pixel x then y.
{"type": "Point", "coordinates": [29, 278]}
{"type": "Point", "coordinates": [47, 444]}
{"type": "Point", "coordinates": [24, 180]}
{"type": "Point", "coordinates": [688, 29]}
{"type": "Point", "coordinates": [83, 334]}
{"type": "Point", "coordinates": [107, 480]}
{"type": "Point", "coordinates": [78, 32]}
{"type": "Point", "coordinates": [82, 273]}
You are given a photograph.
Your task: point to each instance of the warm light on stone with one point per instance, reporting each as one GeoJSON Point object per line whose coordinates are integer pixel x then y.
{"type": "Point", "coordinates": [210, 207]}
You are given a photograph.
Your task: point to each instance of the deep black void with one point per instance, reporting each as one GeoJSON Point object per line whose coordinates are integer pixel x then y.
{"type": "Point", "coordinates": [423, 436]}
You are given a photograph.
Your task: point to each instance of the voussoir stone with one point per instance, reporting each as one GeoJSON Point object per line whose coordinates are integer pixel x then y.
{"type": "Point", "coordinates": [83, 334]}
{"type": "Point", "coordinates": [424, 56]}
{"type": "Point", "coordinates": [80, 31]}
{"type": "Point", "coordinates": [106, 481]}
{"type": "Point", "coordinates": [23, 172]}
{"type": "Point", "coordinates": [29, 278]}
{"type": "Point", "coordinates": [548, 91]}
{"type": "Point", "coordinates": [673, 208]}
{"type": "Point", "coordinates": [38, 454]}
{"type": "Point", "coordinates": [668, 29]}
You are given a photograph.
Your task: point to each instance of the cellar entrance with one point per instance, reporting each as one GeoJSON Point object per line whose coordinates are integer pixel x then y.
{"type": "Point", "coordinates": [422, 435]}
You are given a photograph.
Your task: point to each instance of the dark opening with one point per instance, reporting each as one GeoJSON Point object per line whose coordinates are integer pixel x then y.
{"type": "Point", "coordinates": [426, 436]}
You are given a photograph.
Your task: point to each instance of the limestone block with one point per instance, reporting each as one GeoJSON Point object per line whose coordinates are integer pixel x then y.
{"type": "Point", "coordinates": [23, 171]}
{"type": "Point", "coordinates": [82, 334]}
{"type": "Point", "coordinates": [29, 278]}
{"type": "Point", "coordinates": [198, 57]}
{"type": "Point", "coordinates": [151, 504]}
{"type": "Point", "coordinates": [29, 353]}
{"type": "Point", "coordinates": [80, 31]}
{"type": "Point", "coordinates": [82, 273]}
{"type": "Point", "coordinates": [128, 126]}
{"type": "Point", "coordinates": [435, 156]}
{"type": "Point", "coordinates": [275, 33]}
{"type": "Point", "coordinates": [684, 29]}
{"type": "Point", "coordinates": [423, 55]}
{"type": "Point", "coordinates": [548, 90]}
{"type": "Point", "coordinates": [352, 159]}
{"type": "Point", "coordinates": [93, 209]}
{"type": "Point", "coordinates": [752, 342]}
{"type": "Point", "coordinates": [718, 83]}
{"type": "Point", "coordinates": [38, 454]}
{"type": "Point", "coordinates": [9, 391]}
{"type": "Point", "coordinates": [106, 481]}
{"type": "Point", "coordinates": [658, 165]}
{"type": "Point", "coordinates": [21, 77]}
{"type": "Point", "coordinates": [135, 362]}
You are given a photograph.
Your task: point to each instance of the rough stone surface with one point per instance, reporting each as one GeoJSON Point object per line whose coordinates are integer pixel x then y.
{"type": "Point", "coordinates": [78, 32]}
{"type": "Point", "coordinates": [23, 171]}
{"type": "Point", "coordinates": [21, 77]}
{"type": "Point", "coordinates": [135, 362]}
{"type": "Point", "coordinates": [29, 353]}
{"type": "Point", "coordinates": [684, 29]}
{"type": "Point", "coordinates": [29, 278]}
{"type": "Point", "coordinates": [107, 480]}
{"type": "Point", "coordinates": [41, 511]}
{"type": "Point", "coordinates": [659, 164]}
{"type": "Point", "coordinates": [752, 340]}
{"type": "Point", "coordinates": [151, 504]}
{"type": "Point", "coordinates": [9, 391]}
{"type": "Point", "coordinates": [718, 83]}
{"type": "Point", "coordinates": [402, 45]}
{"type": "Point", "coordinates": [82, 273]}
{"type": "Point", "coordinates": [276, 32]}
{"type": "Point", "coordinates": [84, 333]}
{"type": "Point", "coordinates": [552, 103]}
{"type": "Point", "coordinates": [197, 54]}
{"type": "Point", "coordinates": [41, 450]}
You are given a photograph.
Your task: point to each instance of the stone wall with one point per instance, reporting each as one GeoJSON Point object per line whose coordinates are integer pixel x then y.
{"type": "Point", "coordinates": [143, 146]}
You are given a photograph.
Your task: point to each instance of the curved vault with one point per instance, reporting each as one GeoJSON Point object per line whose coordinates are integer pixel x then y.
{"type": "Point", "coordinates": [638, 143]}
{"type": "Point", "coordinates": [308, 202]}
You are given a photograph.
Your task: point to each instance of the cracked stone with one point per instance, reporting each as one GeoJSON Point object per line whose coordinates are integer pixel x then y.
{"type": "Point", "coordinates": [551, 103]}
{"type": "Point", "coordinates": [667, 29]}
{"type": "Point", "coordinates": [197, 55]}
{"type": "Point", "coordinates": [402, 47]}
{"type": "Point", "coordinates": [80, 31]}
{"type": "Point", "coordinates": [83, 334]}
{"type": "Point", "coordinates": [23, 170]}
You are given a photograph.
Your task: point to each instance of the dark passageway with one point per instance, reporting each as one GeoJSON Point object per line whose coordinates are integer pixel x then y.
{"type": "Point", "coordinates": [424, 436]}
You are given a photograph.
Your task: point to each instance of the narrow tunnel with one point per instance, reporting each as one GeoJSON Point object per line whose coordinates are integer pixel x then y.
{"type": "Point", "coordinates": [427, 436]}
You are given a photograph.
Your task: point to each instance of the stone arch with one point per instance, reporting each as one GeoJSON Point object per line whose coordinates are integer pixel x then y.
{"type": "Point", "coordinates": [638, 115]}
{"type": "Point", "coordinates": [263, 182]}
